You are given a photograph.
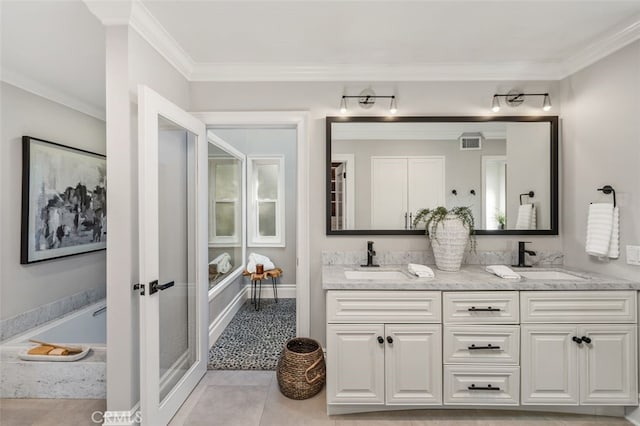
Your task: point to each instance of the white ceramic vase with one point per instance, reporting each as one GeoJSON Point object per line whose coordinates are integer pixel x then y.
{"type": "Point", "coordinates": [449, 240]}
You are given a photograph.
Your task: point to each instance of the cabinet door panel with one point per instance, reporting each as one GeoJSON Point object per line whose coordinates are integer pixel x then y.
{"type": "Point", "coordinates": [419, 171]}
{"type": "Point", "coordinates": [549, 365]}
{"type": "Point", "coordinates": [413, 364]}
{"type": "Point", "coordinates": [355, 360]}
{"type": "Point", "coordinates": [388, 193]}
{"type": "Point", "coordinates": [608, 373]}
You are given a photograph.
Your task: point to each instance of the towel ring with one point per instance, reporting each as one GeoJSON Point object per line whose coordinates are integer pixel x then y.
{"type": "Point", "coordinates": [608, 189]}
{"type": "Point", "coordinates": [529, 194]}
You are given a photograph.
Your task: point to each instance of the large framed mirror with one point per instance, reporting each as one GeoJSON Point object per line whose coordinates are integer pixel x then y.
{"type": "Point", "coordinates": [381, 170]}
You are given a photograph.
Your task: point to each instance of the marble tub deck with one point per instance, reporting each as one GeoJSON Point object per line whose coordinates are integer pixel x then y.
{"type": "Point", "coordinates": [469, 277]}
{"type": "Point", "coordinates": [85, 378]}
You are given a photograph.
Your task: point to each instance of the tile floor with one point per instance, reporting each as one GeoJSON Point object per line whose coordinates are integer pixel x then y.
{"type": "Point", "coordinates": [252, 398]}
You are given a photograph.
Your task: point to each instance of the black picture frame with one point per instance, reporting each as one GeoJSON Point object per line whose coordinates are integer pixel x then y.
{"type": "Point", "coordinates": [553, 157]}
{"type": "Point", "coordinates": [64, 201]}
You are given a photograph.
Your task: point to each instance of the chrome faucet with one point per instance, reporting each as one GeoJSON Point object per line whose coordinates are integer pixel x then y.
{"type": "Point", "coordinates": [370, 253]}
{"type": "Point", "coordinates": [521, 254]}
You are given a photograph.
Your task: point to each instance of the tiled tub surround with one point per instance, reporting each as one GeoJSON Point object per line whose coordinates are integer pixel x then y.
{"type": "Point", "coordinates": [425, 257]}
{"type": "Point", "coordinates": [27, 320]}
{"type": "Point", "coordinates": [85, 378]}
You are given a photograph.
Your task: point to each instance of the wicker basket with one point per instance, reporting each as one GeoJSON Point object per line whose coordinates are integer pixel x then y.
{"type": "Point", "coordinates": [301, 370]}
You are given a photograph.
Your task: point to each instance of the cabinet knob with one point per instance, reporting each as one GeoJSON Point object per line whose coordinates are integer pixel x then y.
{"type": "Point", "coordinates": [380, 340]}
{"type": "Point", "coordinates": [577, 339]}
{"type": "Point", "coordinates": [389, 339]}
{"type": "Point", "coordinates": [586, 339]}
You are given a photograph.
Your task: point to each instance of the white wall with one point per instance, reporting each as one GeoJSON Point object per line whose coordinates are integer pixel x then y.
{"type": "Point", "coordinates": [322, 99]}
{"type": "Point", "coordinates": [601, 133]}
{"type": "Point", "coordinates": [25, 287]}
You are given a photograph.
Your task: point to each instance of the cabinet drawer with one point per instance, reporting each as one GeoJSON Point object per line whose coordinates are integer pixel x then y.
{"type": "Point", "coordinates": [485, 307]}
{"type": "Point", "coordinates": [482, 344]}
{"type": "Point", "coordinates": [578, 306]}
{"type": "Point", "coordinates": [481, 385]}
{"type": "Point", "coordinates": [384, 306]}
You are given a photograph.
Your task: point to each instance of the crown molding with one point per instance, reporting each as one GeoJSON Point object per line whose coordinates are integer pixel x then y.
{"type": "Point", "coordinates": [612, 41]}
{"type": "Point", "coordinates": [48, 92]}
{"type": "Point", "coordinates": [135, 14]}
{"type": "Point", "coordinates": [145, 24]}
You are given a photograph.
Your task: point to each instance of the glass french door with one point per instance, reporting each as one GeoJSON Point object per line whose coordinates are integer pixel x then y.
{"type": "Point", "coordinates": [172, 203]}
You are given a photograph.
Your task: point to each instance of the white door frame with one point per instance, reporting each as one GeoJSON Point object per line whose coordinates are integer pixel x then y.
{"type": "Point", "coordinates": [150, 106]}
{"type": "Point", "coordinates": [300, 120]}
{"type": "Point", "coordinates": [350, 162]}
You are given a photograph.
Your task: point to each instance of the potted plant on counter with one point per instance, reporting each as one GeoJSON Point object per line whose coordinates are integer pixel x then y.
{"type": "Point", "coordinates": [449, 232]}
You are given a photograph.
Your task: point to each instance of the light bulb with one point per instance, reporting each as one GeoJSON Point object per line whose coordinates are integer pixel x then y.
{"type": "Point", "coordinates": [546, 104]}
{"type": "Point", "coordinates": [495, 104]}
{"type": "Point", "coordinates": [343, 105]}
{"type": "Point", "coordinates": [393, 108]}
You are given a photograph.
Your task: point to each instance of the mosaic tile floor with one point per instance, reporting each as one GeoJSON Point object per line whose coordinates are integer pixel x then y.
{"type": "Point", "coordinates": [254, 339]}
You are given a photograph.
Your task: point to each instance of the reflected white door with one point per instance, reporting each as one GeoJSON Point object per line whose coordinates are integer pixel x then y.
{"type": "Point", "coordinates": [173, 253]}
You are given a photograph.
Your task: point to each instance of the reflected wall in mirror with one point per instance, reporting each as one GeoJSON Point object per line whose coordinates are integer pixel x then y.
{"type": "Point", "coordinates": [226, 182]}
{"type": "Point", "coordinates": [382, 170]}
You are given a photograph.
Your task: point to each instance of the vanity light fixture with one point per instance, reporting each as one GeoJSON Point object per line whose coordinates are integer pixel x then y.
{"type": "Point", "coordinates": [515, 98]}
{"type": "Point", "coordinates": [367, 99]}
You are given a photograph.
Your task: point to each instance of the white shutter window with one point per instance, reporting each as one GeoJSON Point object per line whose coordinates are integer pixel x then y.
{"type": "Point", "coordinates": [224, 202]}
{"type": "Point", "coordinates": [266, 214]}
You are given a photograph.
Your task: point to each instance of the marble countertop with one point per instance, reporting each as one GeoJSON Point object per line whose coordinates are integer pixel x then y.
{"type": "Point", "coordinates": [469, 277]}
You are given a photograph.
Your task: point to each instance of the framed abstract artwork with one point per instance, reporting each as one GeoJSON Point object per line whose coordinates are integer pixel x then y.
{"type": "Point", "coordinates": [64, 201]}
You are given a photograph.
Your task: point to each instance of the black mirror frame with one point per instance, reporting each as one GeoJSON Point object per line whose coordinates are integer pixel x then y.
{"type": "Point", "coordinates": [554, 182]}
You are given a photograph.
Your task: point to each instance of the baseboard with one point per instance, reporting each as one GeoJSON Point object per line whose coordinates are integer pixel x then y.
{"type": "Point", "coordinates": [221, 322]}
{"type": "Point", "coordinates": [119, 418]}
{"type": "Point", "coordinates": [285, 291]}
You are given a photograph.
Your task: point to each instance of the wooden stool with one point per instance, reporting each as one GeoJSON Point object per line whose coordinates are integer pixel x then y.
{"type": "Point", "coordinates": [256, 284]}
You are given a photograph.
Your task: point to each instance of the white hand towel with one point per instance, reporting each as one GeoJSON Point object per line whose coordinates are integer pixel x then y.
{"type": "Point", "coordinates": [599, 229]}
{"type": "Point", "coordinates": [526, 217]}
{"type": "Point", "coordinates": [421, 271]}
{"type": "Point", "coordinates": [255, 259]}
{"type": "Point", "coordinates": [224, 263]}
{"type": "Point", "coordinates": [503, 271]}
{"type": "Point", "coordinates": [614, 244]}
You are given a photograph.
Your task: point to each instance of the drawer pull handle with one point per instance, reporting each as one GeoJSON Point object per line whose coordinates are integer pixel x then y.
{"type": "Point", "coordinates": [586, 339]}
{"type": "Point", "coordinates": [489, 346]}
{"type": "Point", "coordinates": [487, 309]}
{"type": "Point", "coordinates": [488, 387]}
{"type": "Point", "coordinates": [380, 340]}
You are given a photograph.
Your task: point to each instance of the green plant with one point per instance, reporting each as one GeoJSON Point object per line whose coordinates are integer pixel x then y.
{"type": "Point", "coordinates": [501, 218]}
{"type": "Point", "coordinates": [439, 214]}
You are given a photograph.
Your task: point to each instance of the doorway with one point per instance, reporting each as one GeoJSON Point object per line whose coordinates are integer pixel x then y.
{"type": "Point", "coordinates": [265, 310]}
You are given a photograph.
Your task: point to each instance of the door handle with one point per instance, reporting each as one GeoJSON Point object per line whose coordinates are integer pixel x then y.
{"type": "Point", "coordinates": [154, 286]}
{"type": "Point", "coordinates": [380, 339]}
{"type": "Point", "coordinates": [577, 339]}
{"type": "Point", "coordinates": [586, 339]}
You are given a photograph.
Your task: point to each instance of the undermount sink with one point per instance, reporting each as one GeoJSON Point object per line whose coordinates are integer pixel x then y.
{"type": "Point", "coordinates": [375, 275]}
{"type": "Point", "coordinates": [549, 275]}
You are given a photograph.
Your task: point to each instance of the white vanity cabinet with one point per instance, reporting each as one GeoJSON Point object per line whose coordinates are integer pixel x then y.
{"type": "Point", "coordinates": [579, 348]}
{"type": "Point", "coordinates": [398, 361]}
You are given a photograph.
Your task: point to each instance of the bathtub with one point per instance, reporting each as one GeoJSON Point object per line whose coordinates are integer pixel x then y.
{"type": "Point", "coordinates": [85, 378]}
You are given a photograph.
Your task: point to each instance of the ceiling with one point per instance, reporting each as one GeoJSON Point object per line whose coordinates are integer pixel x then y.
{"type": "Point", "coordinates": [58, 46]}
